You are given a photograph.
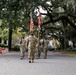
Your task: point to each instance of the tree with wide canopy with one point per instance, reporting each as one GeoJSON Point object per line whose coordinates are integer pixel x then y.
{"type": "Point", "coordinates": [16, 13]}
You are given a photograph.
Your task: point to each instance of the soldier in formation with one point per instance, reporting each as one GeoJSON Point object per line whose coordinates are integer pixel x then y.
{"type": "Point", "coordinates": [42, 47]}
{"type": "Point", "coordinates": [22, 47]}
{"type": "Point", "coordinates": [31, 45]}
{"type": "Point", "coordinates": [39, 48]}
{"type": "Point", "coordinates": [45, 47]}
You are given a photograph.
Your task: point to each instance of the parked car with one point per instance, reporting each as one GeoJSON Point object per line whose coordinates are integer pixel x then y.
{"type": "Point", "coordinates": [50, 48]}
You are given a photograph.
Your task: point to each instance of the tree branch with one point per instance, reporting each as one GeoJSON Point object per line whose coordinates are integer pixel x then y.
{"type": "Point", "coordinates": [72, 16]}
{"type": "Point", "coordinates": [61, 18]}
{"type": "Point", "coordinates": [52, 28]}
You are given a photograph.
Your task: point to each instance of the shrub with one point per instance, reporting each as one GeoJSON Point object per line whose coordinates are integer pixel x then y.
{"type": "Point", "coordinates": [16, 48]}
{"type": "Point", "coordinates": [72, 49]}
{"type": "Point", "coordinates": [3, 45]}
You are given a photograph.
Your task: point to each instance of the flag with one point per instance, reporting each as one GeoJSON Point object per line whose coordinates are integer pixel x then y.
{"type": "Point", "coordinates": [39, 20]}
{"type": "Point", "coordinates": [31, 23]}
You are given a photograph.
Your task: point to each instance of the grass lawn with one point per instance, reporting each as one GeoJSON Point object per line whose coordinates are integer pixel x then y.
{"type": "Point", "coordinates": [69, 53]}
{"type": "Point", "coordinates": [73, 55]}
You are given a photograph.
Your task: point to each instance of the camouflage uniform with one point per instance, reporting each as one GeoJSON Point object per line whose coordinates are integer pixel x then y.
{"type": "Point", "coordinates": [39, 49]}
{"type": "Point", "coordinates": [22, 47]}
{"type": "Point", "coordinates": [55, 43]}
{"type": "Point", "coordinates": [45, 48]}
{"type": "Point", "coordinates": [31, 45]}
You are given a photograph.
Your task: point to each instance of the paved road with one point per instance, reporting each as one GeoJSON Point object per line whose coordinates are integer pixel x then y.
{"type": "Point", "coordinates": [55, 64]}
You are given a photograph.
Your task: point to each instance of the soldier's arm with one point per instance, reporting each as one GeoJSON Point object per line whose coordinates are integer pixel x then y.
{"type": "Point", "coordinates": [48, 41]}
{"type": "Point", "coordinates": [27, 41]}
{"type": "Point", "coordinates": [24, 43]}
{"type": "Point", "coordinates": [36, 39]}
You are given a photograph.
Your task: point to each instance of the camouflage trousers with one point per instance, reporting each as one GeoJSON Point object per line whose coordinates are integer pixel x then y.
{"type": "Point", "coordinates": [22, 51]}
{"type": "Point", "coordinates": [31, 53]}
{"type": "Point", "coordinates": [45, 52]}
{"type": "Point", "coordinates": [38, 52]}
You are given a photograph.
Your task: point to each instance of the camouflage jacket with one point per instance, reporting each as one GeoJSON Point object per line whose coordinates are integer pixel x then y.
{"type": "Point", "coordinates": [31, 42]}
{"type": "Point", "coordinates": [22, 42]}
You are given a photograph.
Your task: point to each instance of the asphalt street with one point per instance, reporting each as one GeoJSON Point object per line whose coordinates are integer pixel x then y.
{"type": "Point", "coordinates": [55, 64]}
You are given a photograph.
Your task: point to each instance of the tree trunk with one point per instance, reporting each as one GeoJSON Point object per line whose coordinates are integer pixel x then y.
{"type": "Point", "coordinates": [65, 34]}
{"type": "Point", "coordinates": [10, 37]}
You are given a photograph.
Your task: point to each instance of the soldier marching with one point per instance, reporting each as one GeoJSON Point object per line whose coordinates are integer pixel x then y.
{"type": "Point", "coordinates": [31, 45]}
{"type": "Point", "coordinates": [22, 47]}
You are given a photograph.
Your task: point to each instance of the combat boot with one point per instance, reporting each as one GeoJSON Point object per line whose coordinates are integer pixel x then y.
{"type": "Point", "coordinates": [37, 57]}
{"type": "Point", "coordinates": [21, 57]}
{"type": "Point", "coordinates": [44, 57]}
{"type": "Point", "coordinates": [32, 61]}
{"type": "Point", "coordinates": [29, 60]}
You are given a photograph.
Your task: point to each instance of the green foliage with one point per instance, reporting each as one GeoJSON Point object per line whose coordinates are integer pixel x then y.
{"type": "Point", "coordinates": [3, 45]}
{"type": "Point", "coordinates": [71, 49]}
{"type": "Point", "coordinates": [15, 13]}
{"type": "Point", "coordinates": [16, 48]}
{"type": "Point", "coordinates": [4, 33]}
